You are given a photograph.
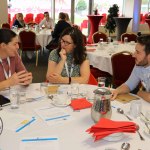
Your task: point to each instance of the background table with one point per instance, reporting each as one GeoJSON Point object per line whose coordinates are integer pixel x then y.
{"type": "Point", "coordinates": [101, 57]}
{"type": "Point", "coordinates": [122, 24]}
{"type": "Point", "coordinates": [94, 23]}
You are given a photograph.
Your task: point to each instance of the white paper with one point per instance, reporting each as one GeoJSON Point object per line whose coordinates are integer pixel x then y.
{"type": "Point", "coordinates": [13, 121]}
{"type": "Point", "coordinates": [39, 145]}
{"type": "Point", "coordinates": [53, 112]}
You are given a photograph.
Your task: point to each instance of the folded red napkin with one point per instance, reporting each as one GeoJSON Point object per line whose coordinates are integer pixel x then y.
{"type": "Point", "coordinates": [81, 103]}
{"type": "Point", "coordinates": [106, 127]}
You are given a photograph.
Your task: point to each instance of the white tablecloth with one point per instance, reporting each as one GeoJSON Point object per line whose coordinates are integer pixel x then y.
{"type": "Point", "coordinates": [43, 37]}
{"type": "Point", "coordinates": [101, 57]}
{"type": "Point", "coordinates": [72, 135]}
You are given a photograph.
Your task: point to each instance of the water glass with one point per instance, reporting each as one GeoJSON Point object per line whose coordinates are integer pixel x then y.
{"type": "Point", "coordinates": [22, 97]}
{"type": "Point", "coordinates": [14, 98]}
{"type": "Point", "coordinates": [125, 40]}
{"type": "Point", "coordinates": [135, 108]}
{"type": "Point", "coordinates": [44, 88]}
{"type": "Point", "coordinates": [147, 115]}
{"type": "Point", "coordinates": [101, 81]}
{"type": "Point", "coordinates": [74, 90]}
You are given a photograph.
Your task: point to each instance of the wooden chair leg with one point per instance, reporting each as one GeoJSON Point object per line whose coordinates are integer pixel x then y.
{"type": "Point", "coordinates": [37, 58]}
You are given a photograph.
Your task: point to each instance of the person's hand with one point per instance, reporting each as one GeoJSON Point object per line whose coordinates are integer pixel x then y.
{"type": "Point", "coordinates": [22, 78]}
{"type": "Point", "coordinates": [114, 94]}
{"type": "Point", "coordinates": [55, 78]}
{"type": "Point", "coordinates": [63, 54]}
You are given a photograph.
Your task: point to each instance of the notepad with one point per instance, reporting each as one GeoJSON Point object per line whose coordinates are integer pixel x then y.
{"type": "Point", "coordinates": [126, 98]}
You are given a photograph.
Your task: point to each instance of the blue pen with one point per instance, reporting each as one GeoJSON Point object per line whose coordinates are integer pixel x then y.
{"type": "Point", "coordinates": [48, 119]}
{"type": "Point", "coordinates": [20, 128]}
{"type": "Point", "coordinates": [39, 139]}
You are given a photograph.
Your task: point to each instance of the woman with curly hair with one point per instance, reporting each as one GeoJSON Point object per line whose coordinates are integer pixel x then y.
{"type": "Point", "coordinates": [69, 63]}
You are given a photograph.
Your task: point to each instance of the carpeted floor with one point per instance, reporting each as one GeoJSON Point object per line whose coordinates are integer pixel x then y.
{"type": "Point", "coordinates": [39, 72]}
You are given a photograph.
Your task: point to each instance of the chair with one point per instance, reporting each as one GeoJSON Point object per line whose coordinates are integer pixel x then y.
{"type": "Point", "coordinates": [131, 37]}
{"type": "Point", "coordinates": [28, 42]}
{"type": "Point", "coordinates": [84, 39]}
{"type": "Point", "coordinates": [39, 17]}
{"type": "Point", "coordinates": [97, 35]}
{"type": "Point", "coordinates": [92, 80]}
{"type": "Point", "coordinates": [6, 25]}
{"type": "Point", "coordinates": [122, 66]}
{"type": "Point", "coordinates": [28, 18]}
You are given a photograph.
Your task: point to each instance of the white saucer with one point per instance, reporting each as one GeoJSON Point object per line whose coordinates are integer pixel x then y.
{"type": "Point", "coordinates": [67, 103]}
{"type": "Point", "coordinates": [114, 137]}
{"type": "Point", "coordinates": [146, 131]}
{"type": "Point", "coordinates": [143, 119]}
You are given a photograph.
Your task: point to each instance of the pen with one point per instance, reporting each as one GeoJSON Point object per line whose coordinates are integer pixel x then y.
{"type": "Point", "coordinates": [48, 119]}
{"type": "Point", "coordinates": [39, 139]}
{"type": "Point", "coordinates": [28, 123]}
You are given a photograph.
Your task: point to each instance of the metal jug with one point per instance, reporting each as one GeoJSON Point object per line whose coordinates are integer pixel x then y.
{"type": "Point", "coordinates": [102, 104]}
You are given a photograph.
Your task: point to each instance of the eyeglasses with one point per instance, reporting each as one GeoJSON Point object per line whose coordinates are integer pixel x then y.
{"type": "Point", "coordinates": [66, 43]}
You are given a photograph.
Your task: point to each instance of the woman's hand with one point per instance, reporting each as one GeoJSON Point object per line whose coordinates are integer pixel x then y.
{"type": "Point", "coordinates": [63, 54]}
{"type": "Point", "coordinates": [55, 78]}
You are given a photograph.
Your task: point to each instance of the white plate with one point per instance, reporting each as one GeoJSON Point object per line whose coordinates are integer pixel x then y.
{"type": "Point", "coordinates": [114, 137]}
{"type": "Point", "coordinates": [143, 119]}
{"type": "Point", "coordinates": [67, 103]}
{"type": "Point", "coordinates": [146, 131]}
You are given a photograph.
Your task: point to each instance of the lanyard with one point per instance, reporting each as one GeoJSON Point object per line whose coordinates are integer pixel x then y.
{"type": "Point", "coordinates": [5, 73]}
{"type": "Point", "coordinates": [69, 73]}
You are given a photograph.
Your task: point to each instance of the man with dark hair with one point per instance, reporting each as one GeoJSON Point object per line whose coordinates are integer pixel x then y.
{"type": "Point", "coordinates": [47, 22]}
{"type": "Point", "coordinates": [12, 70]}
{"type": "Point", "coordinates": [141, 71]}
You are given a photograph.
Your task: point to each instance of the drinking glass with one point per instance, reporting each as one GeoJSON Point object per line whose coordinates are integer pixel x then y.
{"type": "Point", "coordinates": [74, 90]}
{"type": "Point", "coordinates": [14, 98]}
{"type": "Point", "coordinates": [135, 108]}
{"type": "Point", "coordinates": [125, 40]}
{"type": "Point", "coordinates": [22, 97]}
{"type": "Point", "coordinates": [101, 81]}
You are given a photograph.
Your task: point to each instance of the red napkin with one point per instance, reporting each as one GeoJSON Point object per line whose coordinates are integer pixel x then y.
{"type": "Point", "coordinates": [81, 103]}
{"type": "Point", "coordinates": [106, 127]}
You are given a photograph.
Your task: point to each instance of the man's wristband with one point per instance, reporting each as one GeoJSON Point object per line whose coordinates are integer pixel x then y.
{"type": "Point", "coordinates": [69, 80]}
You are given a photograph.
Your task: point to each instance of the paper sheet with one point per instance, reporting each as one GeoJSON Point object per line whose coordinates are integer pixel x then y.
{"type": "Point", "coordinates": [39, 145]}
{"type": "Point", "coordinates": [13, 121]}
{"type": "Point", "coordinates": [53, 115]}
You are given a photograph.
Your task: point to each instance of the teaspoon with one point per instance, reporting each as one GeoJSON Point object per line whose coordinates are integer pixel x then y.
{"type": "Point", "coordinates": [119, 110]}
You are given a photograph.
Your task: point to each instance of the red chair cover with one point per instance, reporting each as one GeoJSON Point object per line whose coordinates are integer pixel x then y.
{"type": "Point", "coordinates": [97, 35]}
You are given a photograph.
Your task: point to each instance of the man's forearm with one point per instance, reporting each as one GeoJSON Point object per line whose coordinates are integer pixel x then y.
{"type": "Point", "coordinates": [144, 95]}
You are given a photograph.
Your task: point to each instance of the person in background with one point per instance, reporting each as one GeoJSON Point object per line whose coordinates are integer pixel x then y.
{"type": "Point", "coordinates": [60, 26]}
{"type": "Point", "coordinates": [47, 22]}
{"type": "Point", "coordinates": [12, 70]}
{"type": "Point", "coordinates": [141, 71]}
{"type": "Point", "coordinates": [67, 19]}
{"type": "Point", "coordinates": [19, 22]}
{"type": "Point", "coordinates": [69, 63]}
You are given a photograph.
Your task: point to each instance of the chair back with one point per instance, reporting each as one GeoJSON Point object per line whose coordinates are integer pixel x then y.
{"type": "Point", "coordinates": [6, 25]}
{"type": "Point", "coordinates": [27, 39]}
{"type": "Point", "coordinates": [130, 36]}
{"type": "Point", "coordinates": [84, 39]}
{"type": "Point", "coordinates": [122, 66]}
{"type": "Point", "coordinates": [98, 35]}
{"type": "Point", "coordinates": [92, 80]}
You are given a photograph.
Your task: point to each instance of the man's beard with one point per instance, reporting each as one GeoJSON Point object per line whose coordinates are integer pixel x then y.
{"type": "Point", "coordinates": [143, 62]}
